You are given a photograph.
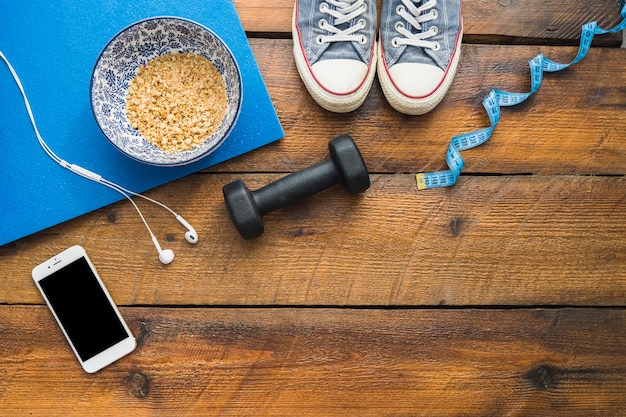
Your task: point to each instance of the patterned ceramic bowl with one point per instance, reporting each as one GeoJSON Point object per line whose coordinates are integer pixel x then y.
{"type": "Point", "coordinates": [134, 47]}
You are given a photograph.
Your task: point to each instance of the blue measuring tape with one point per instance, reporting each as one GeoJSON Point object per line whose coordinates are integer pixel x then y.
{"type": "Point", "coordinates": [497, 99]}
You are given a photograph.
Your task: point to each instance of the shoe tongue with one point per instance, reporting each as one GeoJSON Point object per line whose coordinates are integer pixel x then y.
{"type": "Point", "coordinates": [416, 54]}
{"type": "Point", "coordinates": [413, 54]}
{"type": "Point", "coordinates": [341, 50]}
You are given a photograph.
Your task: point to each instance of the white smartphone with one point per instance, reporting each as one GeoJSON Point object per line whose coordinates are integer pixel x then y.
{"type": "Point", "coordinates": [83, 308]}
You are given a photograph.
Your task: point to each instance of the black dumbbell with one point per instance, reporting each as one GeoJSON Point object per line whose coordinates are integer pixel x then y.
{"type": "Point", "coordinates": [345, 166]}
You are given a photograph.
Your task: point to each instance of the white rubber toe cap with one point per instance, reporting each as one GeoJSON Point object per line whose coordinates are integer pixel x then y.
{"type": "Point", "coordinates": [416, 80]}
{"type": "Point", "coordinates": [340, 76]}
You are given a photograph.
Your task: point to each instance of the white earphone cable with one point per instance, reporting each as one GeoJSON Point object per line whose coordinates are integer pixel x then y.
{"type": "Point", "coordinates": [85, 173]}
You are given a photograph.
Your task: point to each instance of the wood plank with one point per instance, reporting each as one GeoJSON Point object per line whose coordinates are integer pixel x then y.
{"type": "Point", "coordinates": [310, 326]}
{"type": "Point", "coordinates": [502, 240]}
{"type": "Point", "coordinates": [507, 19]}
{"type": "Point", "coordinates": [325, 362]}
{"type": "Point", "coordinates": [538, 20]}
{"type": "Point", "coordinates": [572, 125]}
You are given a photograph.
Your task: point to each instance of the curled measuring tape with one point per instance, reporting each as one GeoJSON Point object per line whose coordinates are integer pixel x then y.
{"type": "Point", "coordinates": [498, 98]}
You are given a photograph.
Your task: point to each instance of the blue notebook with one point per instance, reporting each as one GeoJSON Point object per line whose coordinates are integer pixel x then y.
{"type": "Point", "coordinates": [53, 46]}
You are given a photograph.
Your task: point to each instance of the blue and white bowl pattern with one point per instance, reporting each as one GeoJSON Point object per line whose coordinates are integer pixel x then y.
{"type": "Point", "coordinates": [134, 47]}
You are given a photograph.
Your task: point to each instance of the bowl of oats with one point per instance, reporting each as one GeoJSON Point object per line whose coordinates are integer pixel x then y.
{"type": "Point", "coordinates": [166, 91]}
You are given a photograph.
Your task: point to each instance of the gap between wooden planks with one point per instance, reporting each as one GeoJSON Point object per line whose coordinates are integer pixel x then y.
{"type": "Point", "coordinates": [484, 21]}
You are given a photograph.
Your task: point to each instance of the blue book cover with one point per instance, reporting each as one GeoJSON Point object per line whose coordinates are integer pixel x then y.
{"type": "Point", "coordinates": [53, 46]}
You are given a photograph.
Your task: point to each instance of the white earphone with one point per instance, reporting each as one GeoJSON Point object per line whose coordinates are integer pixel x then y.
{"type": "Point", "coordinates": [190, 235]}
{"type": "Point", "coordinates": [166, 256]}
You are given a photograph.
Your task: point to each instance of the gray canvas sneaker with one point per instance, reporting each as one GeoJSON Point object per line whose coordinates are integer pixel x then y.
{"type": "Point", "coordinates": [420, 47]}
{"type": "Point", "coordinates": [334, 46]}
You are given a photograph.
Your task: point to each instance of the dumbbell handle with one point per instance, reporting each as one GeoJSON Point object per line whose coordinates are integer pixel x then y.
{"type": "Point", "coordinates": [345, 166]}
{"type": "Point", "coordinates": [296, 186]}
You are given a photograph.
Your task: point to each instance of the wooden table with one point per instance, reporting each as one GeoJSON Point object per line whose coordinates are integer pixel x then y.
{"type": "Point", "coordinates": [502, 295]}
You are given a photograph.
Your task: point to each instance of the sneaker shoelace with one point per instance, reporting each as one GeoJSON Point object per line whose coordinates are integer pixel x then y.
{"type": "Point", "coordinates": [344, 11]}
{"type": "Point", "coordinates": [413, 33]}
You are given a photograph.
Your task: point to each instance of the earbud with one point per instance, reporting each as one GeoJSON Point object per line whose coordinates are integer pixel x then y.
{"type": "Point", "coordinates": [190, 235]}
{"type": "Point", "coordinates": [165, 256]}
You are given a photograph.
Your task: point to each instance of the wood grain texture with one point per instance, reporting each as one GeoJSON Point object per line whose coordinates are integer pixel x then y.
{"type": "Point", "coordinates": [503, 240]}
{"type": "Point", "coordinates": [537, 21]}
{"type": "Point", "coordinates": [500, 296]}
{"type": "Point", "coordinates": [484, 20]}
{"type": "Point", "coordinates": [326, 362]}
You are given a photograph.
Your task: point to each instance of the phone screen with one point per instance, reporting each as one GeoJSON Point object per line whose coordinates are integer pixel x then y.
{"type": "Point", "coordinates": [83, 309]}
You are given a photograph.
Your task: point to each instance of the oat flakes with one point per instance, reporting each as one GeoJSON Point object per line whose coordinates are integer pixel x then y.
{"type": "Point", "coordinates": [177, 101]}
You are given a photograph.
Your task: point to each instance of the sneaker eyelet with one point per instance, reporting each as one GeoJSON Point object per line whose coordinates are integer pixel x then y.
{"type": "Point", "coordinates": [363, 40]}
{"type": "Point", "coordinates": [322, 23]}
{"type": "Point", "coordinates": [319, 40]}
{"type": "Point", "coordinates": [395, 42]}
{"type": "Point", "coordinates": [434, 13]}
{"type": "Point", "coordinates": [399, 25]}
{"type": "Point", "coordinates": [323, 7]}
{"type": "Point", "coordinates": [436, 47]}
{"type": "Point", "coordinates": [362, 23]}
{"type": "Point", "coordinates": [434, 30]}
{"type": "Point", "coordinates": [400, 9]}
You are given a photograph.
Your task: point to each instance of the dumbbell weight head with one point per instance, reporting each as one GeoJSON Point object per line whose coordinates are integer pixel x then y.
{"type": "Point", "coordinates": [345, 166]}
{"type": "Point", "coordinates": [350, 164]}
{"type": "Point", "coordinates": [243, 210]}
